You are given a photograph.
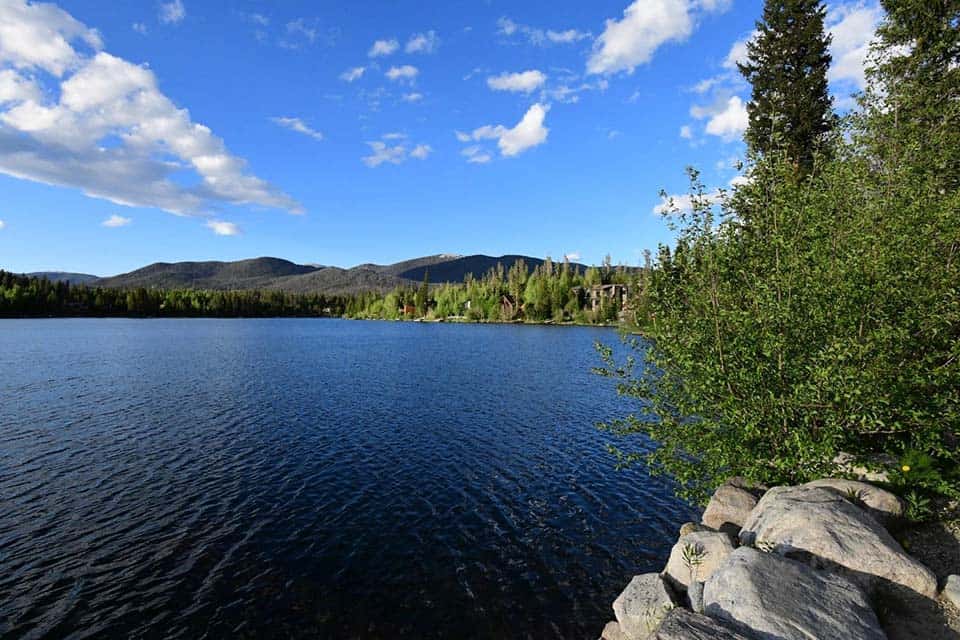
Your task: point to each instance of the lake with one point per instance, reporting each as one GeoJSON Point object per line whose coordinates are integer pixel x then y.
{"type": "Point", "coordinates": [316, 479]}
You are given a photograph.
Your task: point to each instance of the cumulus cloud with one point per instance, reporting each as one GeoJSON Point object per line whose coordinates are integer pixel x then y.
{"type": "Point", "coordinates": [853, 27]}
{"type": "Point", "coordinates": [16, 88]}
{"type": "Point", "coordinates": [730, 123]}
{"type": "Point", "coordinates": [423, 43]}
{"type": "Point", "coordinates": [222, 228]}
{"type": "Point", "coordinates": [40, 36]}
{"type": "Point", "coordinates": [632, 40]}
{"type": "Point", "coordinates": [572, 256]}
{"type": "Point", "coordinates": [3, 225]}
{"type": "Point", "coordinates": [540, 37]}
{"type": "Point", "coordinates": [383, 48]}
{"type": "Point", "coordinates": [412, 97]}
{"type": "Point", "coordinates": [405, 72]}
{"type": "Point", "coordinates": [352, 74]}
{"type": "Point", "coordinates": [109, 131]}
{"type": "Point", "coordinates": [298, 125]}
{"type": "Point", "coordinates": [523, 82]}
{"type": "Point", "coordinates": [115, 221]}
{"type": "Point", "coordinates": [686, 132]}
{"type": "Point", "coordinates": [140, 28]}
{"type": "Point", "coordinates": [528, 133]}
{"type": "Point", "coordinates": [172, 12]}
{"type": "Point", "coordinates": [421, 151]}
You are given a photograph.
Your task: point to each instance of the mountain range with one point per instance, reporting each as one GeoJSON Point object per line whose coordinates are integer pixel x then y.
{"type": "Point", "coordinates": [279, 274]}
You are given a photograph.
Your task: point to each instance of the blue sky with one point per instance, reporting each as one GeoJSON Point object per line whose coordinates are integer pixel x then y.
{"type": "Point", "coordinates": [349, 132]}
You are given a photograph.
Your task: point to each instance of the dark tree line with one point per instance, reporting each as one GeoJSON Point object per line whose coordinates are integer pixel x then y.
{"type": "Point", "coordinates": [23, 296]}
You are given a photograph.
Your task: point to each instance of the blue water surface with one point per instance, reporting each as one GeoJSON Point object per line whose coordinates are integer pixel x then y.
{"type": "Point", "coordinates": [302, 478]}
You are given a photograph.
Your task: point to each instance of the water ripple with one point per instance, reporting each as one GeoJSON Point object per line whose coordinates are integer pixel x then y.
{"type": "Point", "coordinates": [296, 478]}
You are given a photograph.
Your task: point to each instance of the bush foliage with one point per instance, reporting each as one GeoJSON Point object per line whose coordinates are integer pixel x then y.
{"type": "Point", "coordinates": [811, 313]}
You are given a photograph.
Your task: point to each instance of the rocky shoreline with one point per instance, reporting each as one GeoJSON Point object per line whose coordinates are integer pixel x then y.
{"type": "Point", "coordinates": [813, 561]}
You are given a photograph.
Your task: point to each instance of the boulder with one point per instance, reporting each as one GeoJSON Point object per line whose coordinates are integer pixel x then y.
{"type": "Point", "coordinates": [681, 624]}
{"type": "Point", "coordinates": [730, 505]}
{"type": "Point", "coordinates": [846, 464]}
{"type": "Point", "coordinates": [690, 527]}
{"type": "Point", "coordinates": [814, 521]}
{"type": "Point", "coordinates": [951, 591]}
{"type": "Point", "coordinates": [773, 598]}
{"type": "Point", "coordinates": [695, 556]}
{"type": "Point", "coordinates": [642, 606]}
{"type": "Point", "coordinates": [883, 505]}
{"type": "Point", "coordinates": [613, 632]}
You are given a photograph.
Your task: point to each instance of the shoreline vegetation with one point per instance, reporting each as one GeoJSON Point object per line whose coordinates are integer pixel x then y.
{"type": "Point", "coordinates": [549, 294]}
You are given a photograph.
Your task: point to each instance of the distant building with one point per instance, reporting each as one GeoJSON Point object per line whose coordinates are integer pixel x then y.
{"type": "Point", "coordinates": [595, 296]}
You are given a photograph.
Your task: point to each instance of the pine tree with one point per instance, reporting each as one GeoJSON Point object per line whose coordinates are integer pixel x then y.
{"type": "Point", "coordinates": [790, 110]}
{"type": "Point", "coordinates": [423, 294]}
{"type": "Point", "coordinates": [913, 106]}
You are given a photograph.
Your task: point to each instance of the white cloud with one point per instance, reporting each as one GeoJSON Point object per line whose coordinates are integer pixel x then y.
{"type": "Point", "coordinates": [3, 225]}
{"type": "Point", "coordinates": [395, 135]}
{"type": "Point", "coordinates": [738, 53]}
{"type": "Point", "coordinates": [382, 152]}
{"type": "Point", "coordinates": [109, 130]}
{"type": "Point", "coordinates": [405, 72]}
{"type": "Point", "coordinates": [39, 35]}
{"type": "Point", "coordinates": [853, 27]}
{"type": "Point", "coordinates": [421, 151]}
{"type": "Point", "coordinates": [686, 132]}
{"type": "Point", "coordinates": [573, 256]}
{"type": "Point", "coordinates": [352, 74]}
{"type": "Point", "coordinates": [684, 202]}
{"type": "Point", "coordinates": [412, 97]}
{"type": "Point", "coordinates": [172, 12]}
{"type": "Point", "coordinates": [463, 137]}
{"type": "Point", "coordinates": [383, 48]}
{"type": "Point", "coordinates": [571, 95]}
{"type": "Point", "coordinates": [299, 33]}
{"type": "Point", "coordinates": [523, 82]}
{"type": "Point", "coordinates": [115, 221]}
{"type": "Point", "coordinates": [631, 41]}
{"type": "Point", "coordinates": [540, 37]}
{"type": "Point", "coordinates": [507, 27]}
{"type": "Point", "coordinates": [298, 125]}
{"type": "Point", "coordinates": [567, 37]}
{"type": "Point", "coordinates": [423, 43]}
{"type": "Point", "coordinates": [731, 122]}
{"type": "Point", "coordinates": [16, 88]}
{"type": "Point", "coordinates": [528, 133]}
{"type": "Point", "coordinates": [139, 27]}
{"type": "Point", "coordinates": [258, 18]}
{"type": "Point", "coordinates": [476, 154]}
{"type": "Point", "coordinates": [222, 228]}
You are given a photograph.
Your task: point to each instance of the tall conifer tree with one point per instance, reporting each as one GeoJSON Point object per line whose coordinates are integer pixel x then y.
{"type": "Point", "coordinates": [790, 110]}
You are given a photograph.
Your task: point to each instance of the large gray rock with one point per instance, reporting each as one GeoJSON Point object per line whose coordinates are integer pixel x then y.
{"type": "Point", "coordinates": [847, 465]}
{"type": "Point", "coordinates": [613, 632]}
{"type": "Point", "coordinates": [951, 591]}
{"type": "Point", "coordinates": [642, 606]}
{"type": "Point", "coordinates": [695, 556]}
{"type": "Point", "coordinates": [775, 598]}
{"type": "Point", "coordinates": [883, 505]}
{"type": "Point", "coordinates": [818, 522]}
{"type": "Point", "coordinates": [681, 624]}
{"type": "Point", "coordinates": [729, 505]}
